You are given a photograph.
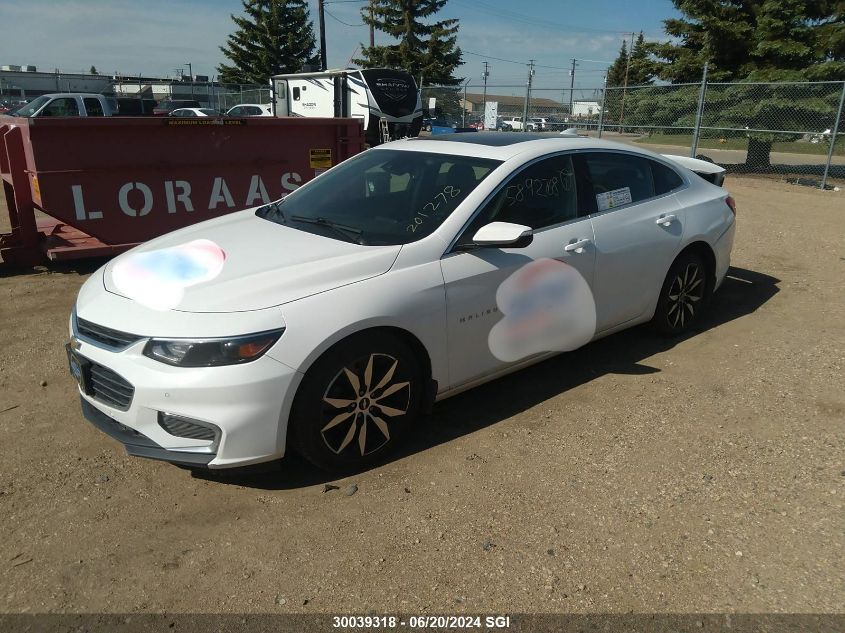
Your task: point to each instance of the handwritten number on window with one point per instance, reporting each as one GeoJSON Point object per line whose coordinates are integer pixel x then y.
{"type": "Point", "coordinates": [443, 197]}
{"type": "Point", "coordinates": [539, 187]}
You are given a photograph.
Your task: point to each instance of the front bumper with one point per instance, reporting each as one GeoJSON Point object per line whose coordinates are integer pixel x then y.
{"type": "Point", "coordinates": [248, 403]}
{"type": "Point", "coordinates": [138, 444]}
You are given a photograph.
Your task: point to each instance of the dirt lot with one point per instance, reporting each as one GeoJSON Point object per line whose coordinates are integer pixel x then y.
{"type": "Point", "coordinates": [702, 474]}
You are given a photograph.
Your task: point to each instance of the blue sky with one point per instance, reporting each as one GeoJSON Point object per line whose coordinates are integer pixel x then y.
{"type": "Point", "coordinates": [158, 36]}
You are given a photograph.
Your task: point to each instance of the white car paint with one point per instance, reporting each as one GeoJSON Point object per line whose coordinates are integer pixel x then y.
{"type": "Point", "coordinates": [193, 112]}
{"type": "Point", "coordinates": [321, 290]}
{"type": "Point", "coordinates": [250, 109]}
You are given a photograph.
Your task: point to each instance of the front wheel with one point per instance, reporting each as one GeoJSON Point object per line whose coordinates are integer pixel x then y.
{"type": "Point", "coordinates": [357, 402]}
{"type": "Point", "coordinates": [683, 295]}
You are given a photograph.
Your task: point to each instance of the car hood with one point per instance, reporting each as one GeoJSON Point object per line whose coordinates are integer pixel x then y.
{"type": "Point", "coordinates": [240, 262]}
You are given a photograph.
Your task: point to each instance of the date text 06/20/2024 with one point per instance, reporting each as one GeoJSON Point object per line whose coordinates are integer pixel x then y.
{"type": "Point", "coordinates": [421, 621]}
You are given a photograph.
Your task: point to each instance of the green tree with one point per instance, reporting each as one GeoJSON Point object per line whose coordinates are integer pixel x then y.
{"type": "Point", "coordinates": [757, 40]}
{"type": "Point", "coordinates": [93, 70]}
{"type": "Point", "coordinates": [639, 70]}
{"type": "Point", "coordinates": [425, 49]}
{"type": "Point", "coordinates": [273, 37]}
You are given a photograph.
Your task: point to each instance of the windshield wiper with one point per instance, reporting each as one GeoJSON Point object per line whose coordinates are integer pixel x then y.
{"type": "Point", "coordinates": [350, 233]}
{"type": "Point", "coordinates": [273, 212]}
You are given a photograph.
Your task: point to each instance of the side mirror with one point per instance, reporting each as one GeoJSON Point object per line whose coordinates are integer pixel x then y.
{"type": "Point", "coordinates": [503, 235]}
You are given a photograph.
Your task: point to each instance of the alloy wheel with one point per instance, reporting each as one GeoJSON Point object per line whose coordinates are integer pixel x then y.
{"type": "Point", "coordinates": [685, 295]}
{"type": "Point", "coordinates": [360, 401]}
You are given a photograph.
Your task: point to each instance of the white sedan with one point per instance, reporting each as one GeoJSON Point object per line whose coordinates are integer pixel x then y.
{"type": "Point", "coordinates": [250, 109]}
{"type": "Point", "coordinates": [194, 112]}
{"type": "Point", "coordinates": [329, 322]}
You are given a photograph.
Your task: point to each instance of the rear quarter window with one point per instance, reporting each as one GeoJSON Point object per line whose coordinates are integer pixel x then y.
{"type": "Point", "coordinates": [666, 179]}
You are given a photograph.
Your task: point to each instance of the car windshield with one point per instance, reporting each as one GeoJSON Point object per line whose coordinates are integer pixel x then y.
{"type": "Point", "coordinates": [28, 109]}
{"type": "Point", "coordinates": [382, 196]}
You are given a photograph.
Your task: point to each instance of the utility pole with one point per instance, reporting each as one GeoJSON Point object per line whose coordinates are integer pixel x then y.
{"type": "Point", "coordinates": [485, 75]}
{"type": "Point", "coordinates": [625, 84]}
{"type": "Point", "coordinates": [321, 10]}
{"type": "Point", "coordinates": [571, 85]}
{"type": "Point", "coordinates": [191, 77]}
{"type": "Point", "coordinates": [527, 95]}
{"type": "Point", "coordinates": [372, 28]}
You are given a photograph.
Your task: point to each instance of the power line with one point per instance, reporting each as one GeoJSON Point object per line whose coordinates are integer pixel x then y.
{"type": "Point", "coordinates": [333, 16]}
{"type": "Point", "coordinates": [519, 17]}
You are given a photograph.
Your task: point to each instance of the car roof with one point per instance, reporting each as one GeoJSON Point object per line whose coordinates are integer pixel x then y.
{"type": "Point", "coordinates": [73, 94]}
{"type": "Point", "coordinates": [257, 105]}
{"type": "Point", "coordinates": [505, 145]}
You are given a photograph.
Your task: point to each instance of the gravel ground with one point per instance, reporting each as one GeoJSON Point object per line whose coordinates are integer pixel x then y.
{"type": "Point", "coordinates": [704, 474]}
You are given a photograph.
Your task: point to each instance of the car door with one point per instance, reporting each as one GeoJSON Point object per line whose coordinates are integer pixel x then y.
{"type": "Point", "coordinates": [638, 229]}
{"type": "Point", "coordinates": [61, 106]}
{"type": "Point", "coordinates": [508, 304]}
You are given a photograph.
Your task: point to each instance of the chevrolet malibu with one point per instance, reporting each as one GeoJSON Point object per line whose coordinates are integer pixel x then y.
{"type": "Point", "coordinates": [328, 322]}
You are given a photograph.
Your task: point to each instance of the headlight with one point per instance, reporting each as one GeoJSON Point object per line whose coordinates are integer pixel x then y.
{"type": "Point", "coordinates": [183, 352]}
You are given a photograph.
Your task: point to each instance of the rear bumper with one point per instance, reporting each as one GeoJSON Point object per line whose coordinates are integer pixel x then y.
{"type": "Point", "coordinates": [137, 443]}
{"type": "Point", "coordinates": [722, 249]}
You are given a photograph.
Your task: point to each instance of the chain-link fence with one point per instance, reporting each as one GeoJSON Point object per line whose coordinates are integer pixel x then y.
{"type": "Point", "coordinates": [18, 88]}
{"type": "Point", "coordinates": [793, 129]}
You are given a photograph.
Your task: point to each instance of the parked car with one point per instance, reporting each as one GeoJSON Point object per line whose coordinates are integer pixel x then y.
{"type": "Point", "coordinates": [455, 260]}
{"type": "Point", "coordinates": [440, 121]}
{"type": "Point", "coordinates": [537, 124]}
{"type": "Point", "coordinates": [194, 112]}
{"type": "Point", "coordinates": [67, 104]}
{"type": "Point", "coordinates": [515, 123]}
{"type": "Point", "coordinates": [251, 109]}
{"type": "Point", "coordinates": [131, 106]}
{"type": "Point", "coordinates": [166, 106]}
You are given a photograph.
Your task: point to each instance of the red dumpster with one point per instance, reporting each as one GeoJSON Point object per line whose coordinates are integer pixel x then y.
{"type": "Point", "coordinates": [110, 183]}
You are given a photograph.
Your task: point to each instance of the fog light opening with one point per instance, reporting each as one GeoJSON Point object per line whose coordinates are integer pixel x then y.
{"type": "Point", "coordinates": [180, 426]}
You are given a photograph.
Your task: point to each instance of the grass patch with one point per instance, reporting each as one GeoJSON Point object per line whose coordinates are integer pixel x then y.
{"type": "Point", "coordinates": [739, 143]}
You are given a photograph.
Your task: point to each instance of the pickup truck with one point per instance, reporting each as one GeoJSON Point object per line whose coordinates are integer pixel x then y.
{"type": "Point", "coordinates": [67, 104]}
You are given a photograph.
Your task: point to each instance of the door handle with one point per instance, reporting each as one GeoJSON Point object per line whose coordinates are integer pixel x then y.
{"type": "Point", "coordinates": [577, 247]}
{"type": "Point", "coordinates": [666, 220]}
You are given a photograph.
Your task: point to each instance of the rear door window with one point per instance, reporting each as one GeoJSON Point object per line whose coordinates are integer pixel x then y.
{"type": "Point", "coordinates": [93, 107]}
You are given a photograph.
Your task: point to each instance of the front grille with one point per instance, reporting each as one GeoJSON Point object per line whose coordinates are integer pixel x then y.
{"type": "Point", "coordinates": [110, 388]}
{"type": "Point", "coordinates": [105, 335]}
{"type": "Point", "coordinates": [181, 427]}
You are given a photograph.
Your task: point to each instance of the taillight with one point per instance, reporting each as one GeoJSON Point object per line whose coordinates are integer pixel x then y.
{"type": "Point", "coordinates": [731, 203]}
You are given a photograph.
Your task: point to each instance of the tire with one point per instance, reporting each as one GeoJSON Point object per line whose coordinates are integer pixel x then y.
{"type": "Point", "coordinates": [336, 424]}
{"type": "Point", "coordinates": [684, 295]}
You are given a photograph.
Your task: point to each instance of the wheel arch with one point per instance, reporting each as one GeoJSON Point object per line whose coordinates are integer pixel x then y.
{"type": "Point", "coordinates": [705, 251]}
{"type": "Point", "coordinates": [407, 337]}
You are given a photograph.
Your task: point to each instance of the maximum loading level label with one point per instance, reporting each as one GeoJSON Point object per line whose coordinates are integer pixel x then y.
{"type": "Point", "coordinates": [320, 158]}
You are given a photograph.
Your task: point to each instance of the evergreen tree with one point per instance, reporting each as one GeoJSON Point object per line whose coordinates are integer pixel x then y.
{"type": "Point", "coordinates": [93, 70]}
{"type": "Point", "coordinates": [273, 37]}
{"type": "Point", "coordinates": [756, 40]}
{"type": "Point", "coordinates": [639, 68]}
{"type": "Point", "coordinates": [639, 72]}
{"type": "Point", "coordinates": [616, 71]}
{"type": "Point", "coordinates": [423, 49]}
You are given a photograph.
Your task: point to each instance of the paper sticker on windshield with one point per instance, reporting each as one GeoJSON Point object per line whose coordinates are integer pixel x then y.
{"type": "Point", "coordinates": [615, 198]}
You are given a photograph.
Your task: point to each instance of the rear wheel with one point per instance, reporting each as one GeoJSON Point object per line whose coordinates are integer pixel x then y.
{"type": "Point", "coordinates": [357, 402]}
{"type": "Point", "coordinates": [683, 295]}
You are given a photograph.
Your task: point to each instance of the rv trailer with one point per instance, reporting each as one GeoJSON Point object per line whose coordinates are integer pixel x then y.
{"type": "Point", "coordinates": [370, 94]}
